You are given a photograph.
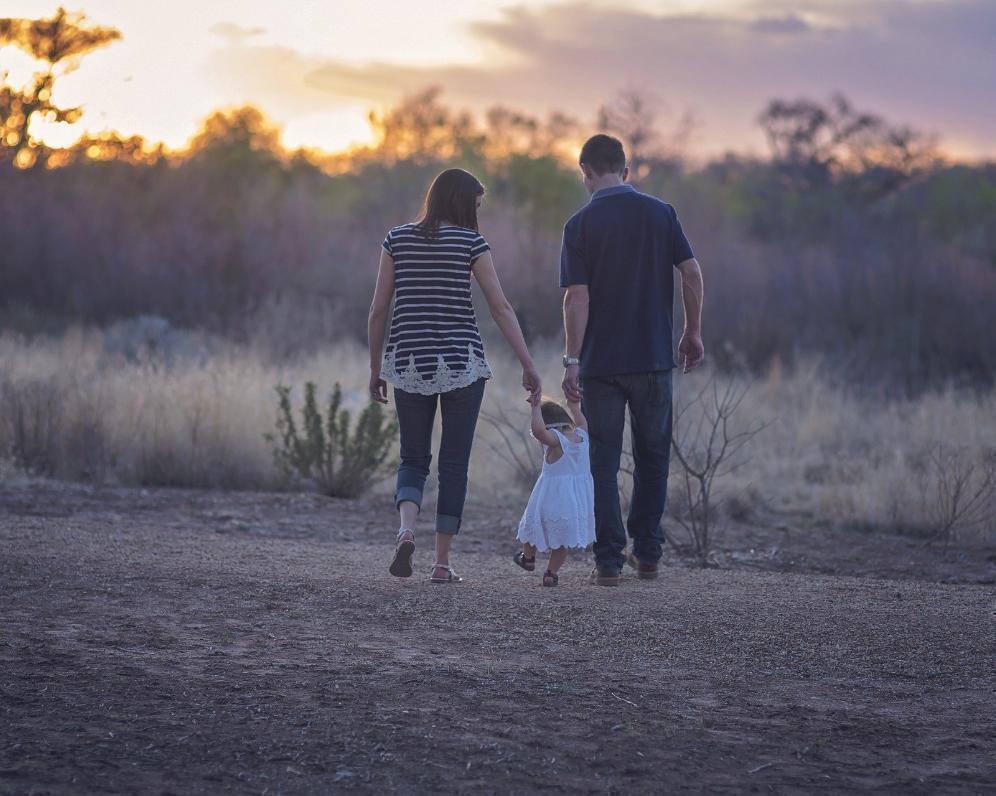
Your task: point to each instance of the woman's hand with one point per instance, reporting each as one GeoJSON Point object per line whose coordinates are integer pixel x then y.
{"type": "Point", "coordinates": [378, 387]}
{"type": "Point", "coordinates": [532, 382]}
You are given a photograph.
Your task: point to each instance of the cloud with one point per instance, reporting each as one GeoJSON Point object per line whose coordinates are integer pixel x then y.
{"type": "Point", "coordinates": [927, 62]}
{"type": "Point", "coordinates": [235, 33]}
{"type": "Point", "coordinates": [788, 24]}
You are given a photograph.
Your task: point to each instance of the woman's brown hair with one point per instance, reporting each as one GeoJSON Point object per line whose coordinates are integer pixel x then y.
{"type": "Point", "coordinates": [452, 198]}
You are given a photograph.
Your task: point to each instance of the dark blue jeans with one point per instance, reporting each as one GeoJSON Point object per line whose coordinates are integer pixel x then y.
{"type": "Point", "coordinates": [648, 396]}
{"type": "Point", "coordinates": [416, 415]}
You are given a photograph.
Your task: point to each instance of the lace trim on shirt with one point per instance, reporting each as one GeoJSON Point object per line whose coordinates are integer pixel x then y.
{"type": "Point", "coordinates": [445, 378]}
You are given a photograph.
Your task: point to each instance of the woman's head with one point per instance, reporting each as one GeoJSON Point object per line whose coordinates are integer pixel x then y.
{"type": "Point", "coordinates": [554, 414]}
{"type": "Point", "coordinates": [453, 198]}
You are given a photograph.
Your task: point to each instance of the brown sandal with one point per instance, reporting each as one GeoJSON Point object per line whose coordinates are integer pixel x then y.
{"type": "Point", "coordinates": [401, 564]}
{"type": "Point", "coordinates": [550, 578]}
{"type": "Point", "coordinates": [528, 564]}
{"type": "Point", "coordinates": [451, 576]}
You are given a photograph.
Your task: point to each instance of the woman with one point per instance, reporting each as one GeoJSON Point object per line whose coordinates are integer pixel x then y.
{"type": "Point", "coordinates": [434, 353]}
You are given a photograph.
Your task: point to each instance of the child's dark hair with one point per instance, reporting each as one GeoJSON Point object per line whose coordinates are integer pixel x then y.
{"type": "Point", "coordinates": [554, 414]}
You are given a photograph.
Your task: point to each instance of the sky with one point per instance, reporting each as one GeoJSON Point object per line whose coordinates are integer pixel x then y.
{"type": "Point", "coordinates": [317, 67]}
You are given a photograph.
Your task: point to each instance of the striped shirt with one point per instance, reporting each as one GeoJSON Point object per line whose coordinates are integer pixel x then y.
{"type": "Point", "coordinates": [434, 345]}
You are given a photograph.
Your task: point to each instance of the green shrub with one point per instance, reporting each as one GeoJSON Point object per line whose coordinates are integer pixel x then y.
{"type": "Point", "coordinates": [324, 452]}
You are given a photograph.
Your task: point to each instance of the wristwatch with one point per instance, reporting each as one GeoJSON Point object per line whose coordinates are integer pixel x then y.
{"type": "Point", "coordinates": [568, 361]}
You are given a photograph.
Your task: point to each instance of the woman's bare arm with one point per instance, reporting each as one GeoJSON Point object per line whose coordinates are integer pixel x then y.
{"type": "Point", "coordinates": [377, 324]}
{"type": "Point", "coordinates": [505, 319]}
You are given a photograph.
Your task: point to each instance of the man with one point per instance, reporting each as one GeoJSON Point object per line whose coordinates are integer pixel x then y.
{"type": "Point", "coordinates": [616, 263]}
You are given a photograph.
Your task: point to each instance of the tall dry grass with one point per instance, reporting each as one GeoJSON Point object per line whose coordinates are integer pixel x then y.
{"type": "Point", "coordinates": [80, 407]}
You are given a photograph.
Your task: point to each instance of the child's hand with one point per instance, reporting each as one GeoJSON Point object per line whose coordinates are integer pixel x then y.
{"type": "Point", "coordinates": [535, 399]}
{"type": "Point", "coordinates": [572, 404]}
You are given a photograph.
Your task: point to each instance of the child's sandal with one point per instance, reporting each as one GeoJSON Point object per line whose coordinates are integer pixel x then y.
{"type": "Point", "coordinates": [550, 578]}
{"type": "Point", "coordinates": [528, 564]}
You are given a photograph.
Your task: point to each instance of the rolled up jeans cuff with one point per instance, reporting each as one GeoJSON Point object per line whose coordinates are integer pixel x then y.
{"type": "Point", "coordinates": [412, 493]}
{"type": "Point", "coordinates": [447, 524]}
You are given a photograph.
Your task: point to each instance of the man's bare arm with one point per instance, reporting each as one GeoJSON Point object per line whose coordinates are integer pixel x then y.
{"type": "Point", "coordinates": [575, 324]}
{"type": "Point", "coordinates": [691, 351]}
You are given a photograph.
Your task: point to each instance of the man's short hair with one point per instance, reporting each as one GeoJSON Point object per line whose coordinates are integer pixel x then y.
{"type": "Point", "coordinates": [603, 154]}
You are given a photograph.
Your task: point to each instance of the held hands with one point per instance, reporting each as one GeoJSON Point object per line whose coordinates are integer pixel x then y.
{"type": "Point", "coordinates": [377, 387]}
{"type": "Point", "coordinates": [532, 383]}
{"type": "Point", "coordinates": [571, 385]}
{"type": "Point", "coordinates": [691, 352]}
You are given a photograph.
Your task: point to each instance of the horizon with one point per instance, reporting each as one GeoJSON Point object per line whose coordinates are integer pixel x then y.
{"type": "Point", "coordinates": [317, 74]}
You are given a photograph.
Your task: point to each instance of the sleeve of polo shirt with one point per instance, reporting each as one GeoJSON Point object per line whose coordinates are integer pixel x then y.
{"type": "Point", "coordinates": [388, 243]}
{"type": "Point", "coordinates": [680, 247]}
{"type": "Point", "coordinates": [573, 270]}
{"type": "Point", "coordinates": [477, 248]}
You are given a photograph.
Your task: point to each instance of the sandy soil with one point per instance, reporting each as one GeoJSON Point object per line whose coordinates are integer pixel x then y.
{"type": "Point", "coordinates": [169, 641]}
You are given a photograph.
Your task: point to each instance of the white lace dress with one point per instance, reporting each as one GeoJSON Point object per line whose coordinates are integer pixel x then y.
{"type": "Point", "coordinates": [561, 508]}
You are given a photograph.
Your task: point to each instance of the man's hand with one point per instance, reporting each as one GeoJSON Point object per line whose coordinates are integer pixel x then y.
{"type": "Point", "coordinates": [691, 352]}
{"type": "Point", "coordinates": [378, 387]}
{"type": "Point", "coordinates": [572, 389]}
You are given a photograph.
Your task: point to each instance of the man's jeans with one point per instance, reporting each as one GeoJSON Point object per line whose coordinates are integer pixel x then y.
{"type": "Point", "coordinates": [416, 415]}
{"type": "Point", "coordinates": [604, 404]}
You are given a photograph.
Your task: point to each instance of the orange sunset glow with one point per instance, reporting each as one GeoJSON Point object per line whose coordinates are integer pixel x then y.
{"type": "Point", "coordinates": [318, 68]}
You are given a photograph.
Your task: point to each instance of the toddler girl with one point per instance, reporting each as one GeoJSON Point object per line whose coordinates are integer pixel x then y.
{"type": "Point", "coordinates": [560, 513]}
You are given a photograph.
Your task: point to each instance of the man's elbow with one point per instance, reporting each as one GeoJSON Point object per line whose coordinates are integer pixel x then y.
{"type": "Point", "coordinates": [576, 298]}
{"type": "Point", "coordinates": [690, 268]}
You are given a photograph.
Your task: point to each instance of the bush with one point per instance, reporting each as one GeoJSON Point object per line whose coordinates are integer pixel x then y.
{"type": "Point", "coordinates": [324, 452]}
{"type": "Point", "coordinates": [31, 424]}
{"type": "Point", "coordinates": [706, 446]}
{"type": "Point", "coordinates": [959, 492]}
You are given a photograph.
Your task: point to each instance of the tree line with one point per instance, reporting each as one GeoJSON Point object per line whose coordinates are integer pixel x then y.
{"type": "Point", "coordinates": [854, 240]}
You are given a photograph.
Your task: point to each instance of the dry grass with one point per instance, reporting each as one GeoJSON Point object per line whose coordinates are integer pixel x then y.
{"type": "Point", "coordinates": [74, 407]}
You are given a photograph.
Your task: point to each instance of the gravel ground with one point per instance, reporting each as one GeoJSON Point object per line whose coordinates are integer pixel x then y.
{"type": "Point", "coordinates": [168, 641]}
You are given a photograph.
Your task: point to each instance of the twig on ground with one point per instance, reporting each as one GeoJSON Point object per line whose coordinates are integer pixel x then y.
{"type": "Point", "coordinates": [760, 768]}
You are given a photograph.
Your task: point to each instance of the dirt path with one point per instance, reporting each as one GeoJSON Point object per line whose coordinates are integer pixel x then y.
{"type": "Point", "coordinates": [182, 642]}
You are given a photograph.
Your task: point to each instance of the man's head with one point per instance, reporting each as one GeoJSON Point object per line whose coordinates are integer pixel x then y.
{"type": "Point", "coordinates": [603, 162]}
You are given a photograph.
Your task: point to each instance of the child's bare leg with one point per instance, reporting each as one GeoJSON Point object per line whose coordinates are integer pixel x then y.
{"type": "Point", "coordinates": [528, 550]}
{"type": "Point", "coordinates": [557, 559]}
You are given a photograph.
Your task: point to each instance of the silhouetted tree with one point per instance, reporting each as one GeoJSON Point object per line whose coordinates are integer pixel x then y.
{"type": "Point", "coordinates": [812, 142]}
{"type": "Point", "coordinates": [422, 129]}
{"type": "Point", "coordinates": [510, 133]}
{"type": "Point", "coordinates": [59, 43]}
{"type": "Point", "coordinates": [633, 116]}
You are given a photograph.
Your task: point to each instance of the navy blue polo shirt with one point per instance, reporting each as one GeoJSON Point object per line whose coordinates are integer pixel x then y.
{"type": "Point", "coordinates": [623, 245]}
